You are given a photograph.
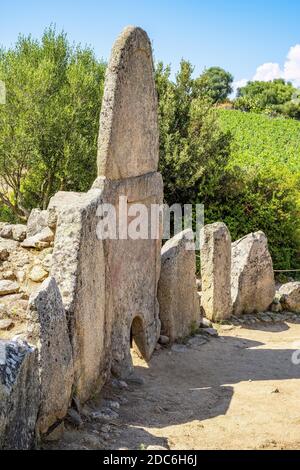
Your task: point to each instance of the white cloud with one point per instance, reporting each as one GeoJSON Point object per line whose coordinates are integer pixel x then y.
{"type": "Point", "coordinates": [267, 72]}
{"type": "Point", "coordinates": [239, 84]}
{"type": "Point", "coordinates": [270, 70]}
{"type": "Point", "coordinates": [292, 65]}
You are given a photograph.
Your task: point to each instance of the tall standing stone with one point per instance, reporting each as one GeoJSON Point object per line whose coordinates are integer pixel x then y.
{"type": "Point", "coordinates": [128, 137]}
{"type": "Point", "coordinates": [215, 255]}
{"type": "Point", "coordinates": [252, 275]}
{"type": "Point", "coordinates": [109, 285]}
{"type": "Point", "coordinates": [177, 292]}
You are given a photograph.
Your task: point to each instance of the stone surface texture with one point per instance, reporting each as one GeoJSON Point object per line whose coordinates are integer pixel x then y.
{"type": "Point", "coordinates": [48, 331]}
{"type": "Point", "coordinates": [290, 296]}
{"type": "Point", "coordinates": [215, 255]}
{"type": "Point", "coordinates": [19, 395]}
{"type": "Point", "coordinates": [128, 138]}
{"type": "Point", "coordinates": [177, 291]}
{"type": "Point", "coordinates": [252, 275]}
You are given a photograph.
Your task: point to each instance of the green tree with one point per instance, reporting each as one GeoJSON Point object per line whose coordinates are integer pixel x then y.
{"type": "Point", "coordinates": [49, 125]}
{"type": "Point", "coordinates": [275, 96]}
{"type": "Point", "coordinates": [215, 83]}
{"type": "Point", "coordinates": [193, 150]}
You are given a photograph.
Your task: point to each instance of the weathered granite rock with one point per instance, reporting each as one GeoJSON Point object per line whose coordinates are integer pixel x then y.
{"type": "Point", "coordinates": [36, 222]}
{"type": "Point", "coordinates": [19, 395]}
{"type": "Point", "coordinates": [6, 324]}
{"type": "Point", "coordinates": [78, 265]}
{"type": "Point", "coordinates": [47, 330]}
{"type": "Point", "coordinates": [38, 274]}
{"type": "Point", "coordinates": [8, 287]}
{"type": "Point", "coordinates": [6, 231]}
{"type": "Point", "coordinates": [19, 232]}
{"type": "Point", "coordinates": [215, 255]}
{"type": "Point", "coordinates": [6, 248]}
{"type": "Point", "coordinates": [290, 296]}
{"type": "Point", "coordinates": [128, 138]}
{"type": "Point", "coordinates": [252, 276]}
{"type": "Point", "coordinates": [177, 291]}
{"type": "Point", "coordinates": [41, 239]}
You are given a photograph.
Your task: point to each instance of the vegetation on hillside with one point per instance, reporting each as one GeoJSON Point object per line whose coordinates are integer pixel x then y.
{"type": "Point", "coordinates": [276, 97]}
{"type": "Point", "coordinates": [244, 167]}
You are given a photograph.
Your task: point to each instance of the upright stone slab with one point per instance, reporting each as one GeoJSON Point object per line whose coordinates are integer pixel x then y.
{"type": "Point", "coordinates": [252, 275]}
{"type": "Point", "coordinates": [215, 255]}
{"type": "Point", "coordinates": [48, 331]}
{"type": "Point", "coordinates": [19, 395]}
{"type": "Point", "coordinates": [127, 160]}
{"type": "Point", "coordinates": [128, 138]}
{"type": "Point", "coordinates": [109, 287]}
{"type": "Point", "coordinates": [177, 292]}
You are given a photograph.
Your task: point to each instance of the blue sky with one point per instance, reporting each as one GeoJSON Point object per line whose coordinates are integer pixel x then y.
{"type": "Point", "coordinates": [237, 35]}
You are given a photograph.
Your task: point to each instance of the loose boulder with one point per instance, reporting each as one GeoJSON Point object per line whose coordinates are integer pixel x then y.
{"type": "Point", "coordinates": [177, 291]}
{"type": "Point", "coordinates": [290, 296]}
{"type": "Point", "coordinates": [47, 330]}
{"type": "Point", "coordinates": [215, 255]}
{"type": "Point", "coordinates": [37, 221]}
{"type": "Point", "coordinates": [252, 275]}
{"type": "Point", "coordinates": [19, 395]}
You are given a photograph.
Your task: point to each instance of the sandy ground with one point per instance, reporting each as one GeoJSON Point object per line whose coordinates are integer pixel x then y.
{"type": "Point", "coordinates": [238, 391]}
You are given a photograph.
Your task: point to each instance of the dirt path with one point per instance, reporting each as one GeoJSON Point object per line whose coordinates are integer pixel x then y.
{"type": "Point", "coordinates": [238, 391]}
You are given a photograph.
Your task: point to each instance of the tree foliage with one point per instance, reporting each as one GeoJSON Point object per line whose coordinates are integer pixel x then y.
{"type": "Point", "coordinates": [273, 97]}
{"type": "Point", "coordinates": [215, 83]}
{"type": "Point", "coordinates": [49, 125]}
{"type": "Point", "coordinates": [193, 149]}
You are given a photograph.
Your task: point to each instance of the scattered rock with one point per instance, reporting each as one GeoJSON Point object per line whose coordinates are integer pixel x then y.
{"type": "Point", "coordinates": [276, 390]}
{"type": "Point", "coordinates": [19, 232]}
{"type": "Point", "coordinates": [205, 323]}
{"type": "Point", "coordinates": [74, 418]}
{"type": "Point", "coordinates": [6, 231]}
{"type": "Point", "coordinates": [38, 274]}
{"type": "Point", "coordinates": [4, 254]}
{"type": "Point", "coordinates": [37, 221]}
{"type": "Point", "coordinates": [9, 276]}
{"type": "Point", "coordinates": [106, 414]}
{"type": "Point", "coordinates": [164, 340]}
{"type": "Point", "coordinates": [114, 405]}
{"type": "Point", "coordinates": [41, 240]}
{"type": "Point", "coordinates": [8, 287]}
{"type": "Point", "coordinates": [211, 332]}
{"type": "Point", "coordinates": [290, 296]}
{"type": "Point", "coordinates": [6, 324]}
{"type": "Point", "coordinates": [120, 384]}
